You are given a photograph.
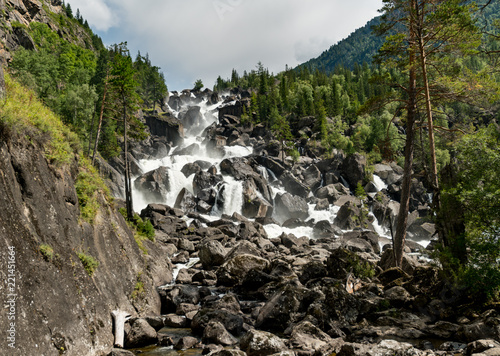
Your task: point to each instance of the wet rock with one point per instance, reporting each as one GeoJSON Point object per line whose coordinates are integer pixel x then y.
{"type": "Point", "coordinates": [205, 180]}
{"type": "Point", "coordinates": [191, 150]}
{"type": "Point", "coordinates": [154, 184]}
{"type": "Point", "coordinates": [288, 206]}
{"type": "Point", "coordinates": [261, 343]}
{"type": "Point", "coordinates": [483, 347]}
{"type": "Point", "coordinates": [190, 168]}
{"type": "Point", "coordinates": [120, 352]}
{"type": "Point", "coordinates": [311, 271]}
{"type": "Point", "coordinates": [186, 342]}
{"type": "Point", "coordinates": [294, 186]}
{"type": "Point", "coordinates": [328, 192]}
{"type": "Point", "coordinates": [140, 334]}
{"type": "Point", "coordinates": [216, 333]}
{"type": "Point", "coordinates": [397, 296]}
{"type": "Point", "coordinates": [166, 126]}
{"type": "Point", "coordinates": [324, 229]}
{"type": "Point", "coordinates": [185, 201]}
{"type": "Point", "coordinates": [312, 177]}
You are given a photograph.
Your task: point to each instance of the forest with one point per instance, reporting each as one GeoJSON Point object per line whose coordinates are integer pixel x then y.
{"type": "Point", "coordinates": [429, 100]}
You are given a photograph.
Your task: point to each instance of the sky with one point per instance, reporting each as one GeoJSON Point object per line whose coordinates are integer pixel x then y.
{"type": "Point", "coordinates": [202, 39]}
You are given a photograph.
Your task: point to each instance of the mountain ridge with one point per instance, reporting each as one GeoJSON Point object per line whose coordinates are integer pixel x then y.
{"type": "Point", "coordinates": [359, 47]}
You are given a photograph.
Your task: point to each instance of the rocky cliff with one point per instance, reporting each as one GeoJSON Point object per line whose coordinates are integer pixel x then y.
{"type": "Point", "coordinates": [53, 306]}
{"type": "Point", "coordinates": [16, 15]}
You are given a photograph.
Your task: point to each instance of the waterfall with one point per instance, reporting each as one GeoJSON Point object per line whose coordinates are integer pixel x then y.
{"type": "Point", "coordinates": [233, 196]}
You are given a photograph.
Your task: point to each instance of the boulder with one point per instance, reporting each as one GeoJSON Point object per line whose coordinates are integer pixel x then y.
{"type": "Point", "coordinates": [211, 254]}
{"type": "Point", "coordinates": [205, 180]}
{"type": "Point", "coordinates": [185, 201]}
{"type": "Point", "coordinates": [353, 169]}
{"type": "Point", "coordinates": [328, 192]}
{"type": "Point", "coordinates": [261, 343]}
{"type": "Point", "coordinates": [166, 126]}
{"type": "Point", "coordinates": [190, 168]}
{"type": "Point", "coordinates": [294, 186]}
{"type": "Point", "coordinates": [216, 333]}
{"type": "Point", "coordinates": [312, 177]}
{"type": "Point", "coordinates": [154, 184]}
{"type": "Point", "coordinates": [350, 216]}
{"type": "Point", "coordinates": [140, 334]}
{"type": "Point", "coordinates": [307, 337]}
{"type": "Point", "coordinates": [289, 206]}
{"type": "Point", "coordinates": [231, 321]}
{"type": "Point", "coordinates": [186, 342]}
{"type": "Point", "coordinates": [191, 150]}
{"type": "Point", "coordinates": [235, 269]}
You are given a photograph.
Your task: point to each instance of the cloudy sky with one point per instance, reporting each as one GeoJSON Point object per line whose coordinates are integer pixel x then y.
{"type": "Point", "coordinates": [202, 39]}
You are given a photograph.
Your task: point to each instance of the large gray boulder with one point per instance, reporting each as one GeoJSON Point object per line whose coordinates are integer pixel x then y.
{"type": "Point", "coordinates": [154, 184]}
{"type": "Point", "coordinates": [353, 169]}
{"type": "Point", "coordinates": [211, 254]}
{"type": "Point", "coordinates": [288, 206]}
{"type": "Point", "coordinates": [140, 334]}
{"type": "Point", "coordinates": [261, 343]}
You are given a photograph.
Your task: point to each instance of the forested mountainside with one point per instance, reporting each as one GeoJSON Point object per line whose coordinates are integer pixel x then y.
{"type": "Point", "coordinates": [358, 48]}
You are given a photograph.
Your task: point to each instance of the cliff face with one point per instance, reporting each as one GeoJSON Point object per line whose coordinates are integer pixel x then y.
{"type": "Point", "coordinates": [53, 303]}
{"type": "Point", "coordinates": [15, 15]}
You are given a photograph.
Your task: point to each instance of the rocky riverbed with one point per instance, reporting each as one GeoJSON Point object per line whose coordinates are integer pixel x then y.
{"type": "Point", "coordinates": [302, 267]}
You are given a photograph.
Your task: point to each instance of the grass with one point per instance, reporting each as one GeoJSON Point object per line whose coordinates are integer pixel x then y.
{"type": "Point", "coordinates": [89, 187]}
{"type": "Point", "coordinates": [89, 263]}
{"type": "Point", "coordinates": [23, 113]}
{"type": "Point", "coordinates": [143, 230]}
{"type": "Point", "coordinates": [138, 291]}
{"type": "Point", "coordinates": [47, 252]}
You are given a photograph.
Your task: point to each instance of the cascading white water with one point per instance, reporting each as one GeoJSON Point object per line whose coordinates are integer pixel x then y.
{"type": "Point", "coordinates": [233, 190]}
{"type": "Point", "coordinates": [379, 183]}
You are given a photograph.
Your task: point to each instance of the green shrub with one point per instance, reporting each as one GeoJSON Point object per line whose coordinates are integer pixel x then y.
{"type": "Point", "coordinates": [89, 263]}
{"type": "Point", "coordinates": [47, 252]}
{"type": "Point", "coordinates": [88, 186]}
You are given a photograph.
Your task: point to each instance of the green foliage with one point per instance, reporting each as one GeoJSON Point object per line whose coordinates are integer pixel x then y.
{"type": "Point", "coordinates": [89, 263]}
{"type": "Point", "coordinates": [23, 112]}
{"type": "Point", "coordinates": [47, 252]}
{"type": "Point", "coordinates": [91, 190]}
{"type": "Point", "coordinates": [143, 229]}
{"type": "Point", "coordinates": [360, 191]}
{"type": "Point", "coordinates": [478, 192]}
{"type": "Point", "coordinates": [138, 291]}
{"type": "Point", "coordinates": [198, 85]}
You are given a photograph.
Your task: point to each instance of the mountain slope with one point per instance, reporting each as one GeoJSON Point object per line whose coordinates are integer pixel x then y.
{"type": "Point", "coordinates": [359, 47]}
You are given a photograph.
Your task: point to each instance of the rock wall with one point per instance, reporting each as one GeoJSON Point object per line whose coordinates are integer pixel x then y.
{"type": "Point", "coordinates": [26, 11]}
{"type": "Point", "coordinates": [56, 307]}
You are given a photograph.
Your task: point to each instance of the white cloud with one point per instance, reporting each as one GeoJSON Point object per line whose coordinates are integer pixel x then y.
{"type": "Point", "coordinates": [96, 12]}
{"type": "Point", "coordinates": [206, 38]}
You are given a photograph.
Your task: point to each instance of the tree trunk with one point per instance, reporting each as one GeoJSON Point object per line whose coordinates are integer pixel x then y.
{"type": "Point", "coordinates": [402, 222]}
{"type": "Point", "coordinates": [96, 143]}
{"type": "Point", "coordinates": [128, 185]}
{"type": "Point", "coordinates": [119, 319]}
